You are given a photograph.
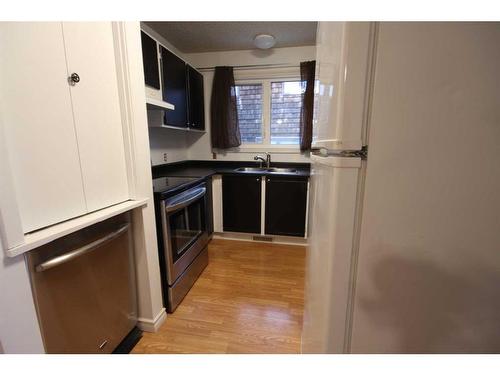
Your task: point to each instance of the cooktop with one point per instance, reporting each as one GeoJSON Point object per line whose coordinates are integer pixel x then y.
{"type": "Point", "coordinates": [164, 184]}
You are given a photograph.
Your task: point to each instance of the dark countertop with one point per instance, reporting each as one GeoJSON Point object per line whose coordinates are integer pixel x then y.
{"type": "Point", "coordinates": [207, 168]}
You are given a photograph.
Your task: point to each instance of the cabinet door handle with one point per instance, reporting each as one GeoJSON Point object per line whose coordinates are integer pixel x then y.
{"type": "Point", "coordinates": [73, 79]}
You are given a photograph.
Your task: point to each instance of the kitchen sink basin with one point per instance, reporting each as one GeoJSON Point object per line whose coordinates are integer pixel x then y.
{"type": "Point", "coordinates": [266, 170]}
{"type": "Point", "coordinates": [250, 169]}
{"type": "Point", "coordinates": [281, 170]}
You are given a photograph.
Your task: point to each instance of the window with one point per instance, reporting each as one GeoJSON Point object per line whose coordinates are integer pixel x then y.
{"type": "Point", "coordinates": [269, 112]}
{"type": "Point", "coordinates": [249, 105]}
{"type": "Point", "coordinates": [286, 103]}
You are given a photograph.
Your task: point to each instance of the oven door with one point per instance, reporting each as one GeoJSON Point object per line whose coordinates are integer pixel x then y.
{"type": "Point", "coordinates": [184, 229]}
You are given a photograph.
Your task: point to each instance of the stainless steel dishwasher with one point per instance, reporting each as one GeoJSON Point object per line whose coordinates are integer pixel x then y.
{"type": "Point", "coordinates": [84, 288]}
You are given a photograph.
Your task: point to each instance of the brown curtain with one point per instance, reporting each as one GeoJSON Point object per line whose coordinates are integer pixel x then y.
{"type": "Point", "coordinates": [307, 72]}
{"type": "Point", "coordinates": [224, 115]}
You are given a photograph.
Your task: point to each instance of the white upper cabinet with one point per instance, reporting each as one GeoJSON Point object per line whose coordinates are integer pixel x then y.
{"type": "Point", "coordinates": [65, 142]}
{"type": "Point", "coordinates": [343, 64]}
{"type": "Point", "coordinates": [37, 120]}
{"type": "Point", "coordinates": [96, 106]}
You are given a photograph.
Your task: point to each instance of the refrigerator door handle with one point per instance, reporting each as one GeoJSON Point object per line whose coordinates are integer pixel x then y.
{"type": "Point", "coordinates": [363, 153]}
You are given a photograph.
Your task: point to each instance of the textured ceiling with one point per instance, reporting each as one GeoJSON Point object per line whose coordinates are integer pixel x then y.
{"type": "Point", "coordinates": [191, 37]}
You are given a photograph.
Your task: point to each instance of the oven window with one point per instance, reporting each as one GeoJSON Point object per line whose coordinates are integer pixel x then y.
{"type": "Point", "coordinates": [186, 225]}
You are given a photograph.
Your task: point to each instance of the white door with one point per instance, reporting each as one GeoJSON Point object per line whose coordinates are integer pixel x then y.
{"type": "Point", "coordinates": [333, 221]}
{"type": "Point", "coordinates": [38, 124]}
{"type": "Point", "coordinates": [343, 62]}
{"type": "Point", "coordinates": [96, 105]}
{"type": "Point", "coordinates": [429, 259]}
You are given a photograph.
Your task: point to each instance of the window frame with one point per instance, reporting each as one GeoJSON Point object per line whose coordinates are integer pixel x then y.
{"type": "Point", "coordinates": [266, 114]}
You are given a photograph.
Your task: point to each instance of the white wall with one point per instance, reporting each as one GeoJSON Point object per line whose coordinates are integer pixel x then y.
{"type": "Point", "coordinates": [170, 141]}
{"type": "Point", "coordinates": [287, 55]}
{"type": "Point", "coordinates": [19, 330]}
{"type": "Point", "coordinates": [199, 146]}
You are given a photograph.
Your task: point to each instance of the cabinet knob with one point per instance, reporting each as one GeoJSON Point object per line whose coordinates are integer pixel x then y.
{"type": "Point", "coordinates": [73, 79]}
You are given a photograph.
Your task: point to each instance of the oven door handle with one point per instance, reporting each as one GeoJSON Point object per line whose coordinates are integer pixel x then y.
{"type": "Point", "coordinates": [185, 199]}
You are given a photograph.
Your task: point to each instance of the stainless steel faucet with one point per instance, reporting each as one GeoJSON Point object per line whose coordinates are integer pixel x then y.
{"type": "Point", "coordinates": [267, 160]}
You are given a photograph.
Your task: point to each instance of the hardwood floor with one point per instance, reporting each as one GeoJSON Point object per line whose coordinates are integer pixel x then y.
{"type": "Point", "coordinates": [249, 299]}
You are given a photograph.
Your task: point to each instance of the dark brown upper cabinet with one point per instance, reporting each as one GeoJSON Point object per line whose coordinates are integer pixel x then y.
{"type": "Point", "coordinates": [181, 85]}
{"type": "Point", "coordinates": [150, 61]}
{"type": "Point", "coordinates": [196, 105]}
{"type": "Point", "coordinates": [175, 86]}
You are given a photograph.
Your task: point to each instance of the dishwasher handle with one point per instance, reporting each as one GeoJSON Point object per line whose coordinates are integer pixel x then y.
{"type": "Point", "coordinates": [54, 262]}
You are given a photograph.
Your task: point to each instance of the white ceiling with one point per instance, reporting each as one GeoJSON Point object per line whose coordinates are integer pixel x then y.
{"type": "Point", "coordinates": [191, 37]}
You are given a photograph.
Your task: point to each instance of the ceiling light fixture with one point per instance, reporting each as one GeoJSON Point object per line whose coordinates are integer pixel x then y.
{"type": "Point", "coordinates": [264, 41]}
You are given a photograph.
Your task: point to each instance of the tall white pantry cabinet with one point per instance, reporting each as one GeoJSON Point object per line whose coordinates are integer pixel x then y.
{"type": "Point", "coordinates": [63, 136]}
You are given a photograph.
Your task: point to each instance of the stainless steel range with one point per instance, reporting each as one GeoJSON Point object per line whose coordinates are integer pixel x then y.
{"type": "Point", "coordinates": [182, 207]}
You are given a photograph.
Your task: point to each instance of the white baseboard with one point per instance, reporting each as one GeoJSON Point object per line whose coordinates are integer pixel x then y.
{"type": "Point", "coordinates": [152, 325]}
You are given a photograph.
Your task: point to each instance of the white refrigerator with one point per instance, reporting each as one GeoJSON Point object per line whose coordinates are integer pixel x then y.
{"type": "Point", "coordinates": [404, 231]}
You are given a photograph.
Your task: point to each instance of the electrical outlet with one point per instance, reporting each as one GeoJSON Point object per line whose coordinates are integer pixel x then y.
{"type": "Point", "coordinates": [165, 156]}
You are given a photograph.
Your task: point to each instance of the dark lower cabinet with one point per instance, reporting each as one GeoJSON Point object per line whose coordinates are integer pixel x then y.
{"type": "Point", "coordinates": [286, 202]}
{"type": "Point", "coordinates": [241, 203]}
{"type": "Point", "coordinates": [174, 88]}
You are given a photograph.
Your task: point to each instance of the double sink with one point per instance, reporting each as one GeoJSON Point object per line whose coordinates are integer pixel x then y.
{"type": "Point", "coordinates": [266, 170]}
